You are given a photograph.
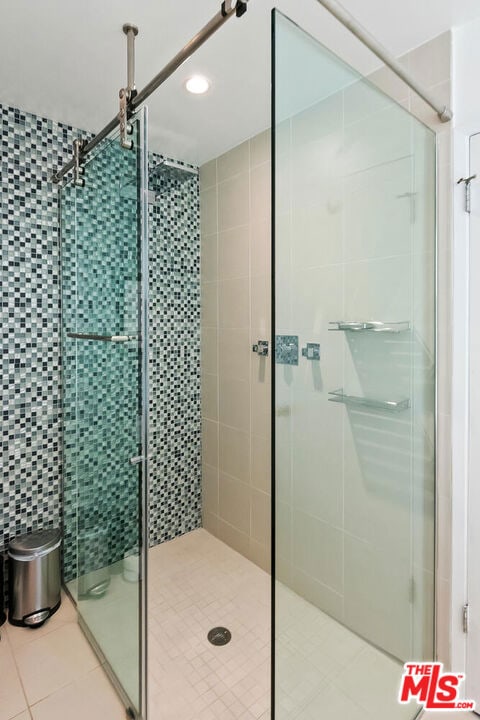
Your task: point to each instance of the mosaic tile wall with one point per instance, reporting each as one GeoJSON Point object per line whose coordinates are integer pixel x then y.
{"type": "Point", "coordinates": [30, 325]}
{"type": "Point", "coordinates": [99, 271]}
{"type": "Point", "coordinates": [30, 322]}
{"type": "Point", "coordinates": [175, 408]}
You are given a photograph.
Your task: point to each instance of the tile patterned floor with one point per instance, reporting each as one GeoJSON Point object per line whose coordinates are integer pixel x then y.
{"type": "Point", "coordinates": [324, 670]}
{"type": "Point", "coordinates": [52, 674]}
{"type": "Point", "coordinates": [196, 582]}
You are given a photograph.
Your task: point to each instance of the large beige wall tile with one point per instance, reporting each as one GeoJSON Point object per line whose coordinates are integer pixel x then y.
{"type": "Point", "coordinates": [260, 303]}
{"type": "Point", "coordinates": [210, 442]}
{"type": "Point", "coordinates": [383, 616]}
{"type": "Point", "coordinates": [233, 202]}
{"type": "Point", "coordinates": [261, 555]}
{"type": "Point", "coordinates": [321, 228]}
{"type": "Point", "coordinates": [388, 82]}
{"type": "Point", "coordinates": [234, 500]}
{"type": "Point", "coordinates": [234, 453]}
{"type": "Point", "coordinates": [210, 488]}
{"type": "Point", "coordinates": [234, 403]}
{"type": "Point", "coordinates": [209, 257]}
{"type": "Point", "coordinates": [363, 101]}
{"type": "Point", "coordinates": [260, 148]}
{"type": "Point", "coordinates": [379, 138]}
{"type": "Point", "coordinates": [239, 541]}
{"type": "Point", "coordinates": [316, 592]}
{"type": "Point", "coordinates": [209, 300]}
{"type": "Point", "coordinates": [260, 192]}
{"type": "Point", "coordinates": [233, 162]}
{"type": "Point", "coordinates": [234, 353]}
{"type": "Point", "coordinates": [260, 391]}
{"type": "Point", "coordinates": [318, 550]}
{"type": "Point", "coordinates": [284, 534]}
{"type": "Point", "coordinates": [210, 521]}
{"type": "Point", "coordinates": [234, 303]}
{"type": "Point", "coordinates": [323, 118]}
{"type": "Point", "coordinates": [431, 63]}
{"type": "Point", "coordinates": [261, 517]}
{"type": "Point", "coordinates": [233, 253]}
{"type": "Point", "coordinates": [424, 112]}
{"type": "Point", "coordinates": [208, 211]}
{"type": "Point", "coordinates": [260, 247]}
{"type": "Point", "coordinates": [209, 396]}
{"type": "Point", "coordinates": [239, 183]}
{"type": "Point", "coordinates": [208, 175]}
{"type": "Point", "coordinates": [261, 463]}
{"type": "Point", "coordinates": [209, 350]}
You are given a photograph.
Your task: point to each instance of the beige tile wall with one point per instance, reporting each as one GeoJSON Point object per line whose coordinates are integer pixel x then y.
{"type": "Point", "coordinates": [431, 64]}
{"type": "Point", "coordinates": [350, 492]}
{"type": "Point", "coordinates": [235, 268]}
{"type": "Point", "coordinates": [235, 280]}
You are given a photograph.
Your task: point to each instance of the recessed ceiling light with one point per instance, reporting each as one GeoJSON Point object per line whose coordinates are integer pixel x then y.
{"type": "Point", "coordinates": [198, 84]}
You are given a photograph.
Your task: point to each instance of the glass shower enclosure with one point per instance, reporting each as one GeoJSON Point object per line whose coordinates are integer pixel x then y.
{"type": "Point", "coordinates": [104, 278]}
{"type": "Point", "coordinates": [354, 396]}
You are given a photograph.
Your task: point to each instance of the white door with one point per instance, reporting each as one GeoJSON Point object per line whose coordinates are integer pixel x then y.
{"type": "Point", "coordinates": [472, 689]}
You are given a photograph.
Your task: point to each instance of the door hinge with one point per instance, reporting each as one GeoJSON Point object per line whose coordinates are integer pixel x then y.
{"type": "Point", "coordinates": [465, 618]}
{"type": "Point", "coordinates": [468, 192]}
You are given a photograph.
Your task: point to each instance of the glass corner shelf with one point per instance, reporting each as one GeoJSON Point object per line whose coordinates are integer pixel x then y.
{"type": "Point", "coordinates": [370, 326]}
{"type": "Point", "coordinates": [339, 396]}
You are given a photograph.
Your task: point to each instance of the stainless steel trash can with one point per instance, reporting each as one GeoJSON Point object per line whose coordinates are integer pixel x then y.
{"type": "Point", "coordinates": [34, 577]}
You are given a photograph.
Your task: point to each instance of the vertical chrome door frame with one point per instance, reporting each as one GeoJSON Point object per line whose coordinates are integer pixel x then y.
{"type": "Point", "coordinates": [272, 372]}
{"type": "Point", "coordinates": [144, 489]}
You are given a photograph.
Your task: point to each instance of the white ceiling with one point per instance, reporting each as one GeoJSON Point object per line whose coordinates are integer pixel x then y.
{"type": "Point", "coordinates": [66, 60]}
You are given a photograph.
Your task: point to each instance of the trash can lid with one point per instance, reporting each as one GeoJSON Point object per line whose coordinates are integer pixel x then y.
{"type": "Point", "coordinates": [35, 543]}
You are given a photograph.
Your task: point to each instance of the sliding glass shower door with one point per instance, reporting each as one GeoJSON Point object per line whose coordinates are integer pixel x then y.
{"type": "Point", "coordinates": [104, 300]}
{"type": "Point", "coordinates": [354, 397]}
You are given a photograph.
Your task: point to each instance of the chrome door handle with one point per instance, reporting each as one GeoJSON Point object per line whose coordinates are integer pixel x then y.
{"type": "Point", "coordinates": [138, 459]}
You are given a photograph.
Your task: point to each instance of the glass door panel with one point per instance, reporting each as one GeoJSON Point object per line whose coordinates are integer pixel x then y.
{"type": "Point", "coordinates": [104, 341]}
{"type": "Point", "coordinates": [354, 393]}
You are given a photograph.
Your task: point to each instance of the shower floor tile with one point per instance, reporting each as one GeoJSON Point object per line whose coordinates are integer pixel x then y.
{"type": "Point", "coordinates": [324, 671]}
{"type": "Point", "coordinates": [196, 582]}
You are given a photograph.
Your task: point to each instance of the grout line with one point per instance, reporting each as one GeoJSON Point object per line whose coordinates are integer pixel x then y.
{"type": "Point", "coordinates": [20, 679]}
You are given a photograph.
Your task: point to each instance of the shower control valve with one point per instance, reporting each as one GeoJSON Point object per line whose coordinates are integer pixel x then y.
{"type": "Point", "coordinates": [261, 348]}
{"type": "Point", "coordinates": [311, 351]}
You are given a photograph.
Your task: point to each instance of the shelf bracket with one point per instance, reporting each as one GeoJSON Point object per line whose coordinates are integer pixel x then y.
{"type": "Point", "coordinates": [394, 406]}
